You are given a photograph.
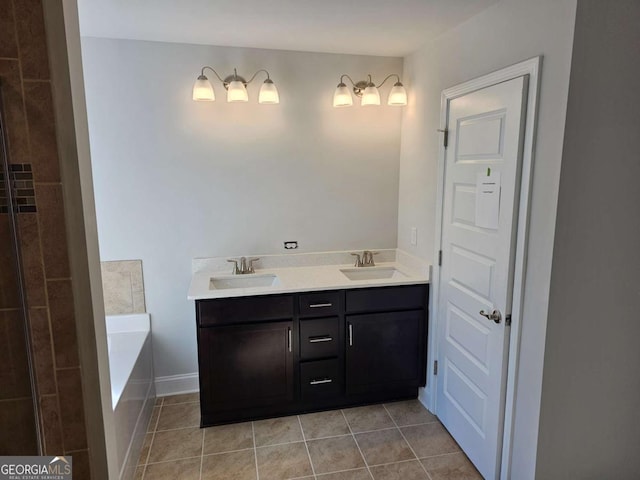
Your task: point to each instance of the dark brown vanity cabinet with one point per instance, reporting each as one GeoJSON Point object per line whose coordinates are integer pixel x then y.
{"type": "Point", "coordinates": [384, 351]}
{"type": "Point", "coordinates": [386, 338]}
{"type": "Point", "coordinates": [245, 355]}
{"type": "Point", "coordinates": [271, 355]}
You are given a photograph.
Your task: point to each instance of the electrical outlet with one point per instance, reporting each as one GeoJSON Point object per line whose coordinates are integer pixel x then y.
{"type": "Point", "coordinates": [292, 245]}
{"type": "Point", "coordinates": [414, 236]}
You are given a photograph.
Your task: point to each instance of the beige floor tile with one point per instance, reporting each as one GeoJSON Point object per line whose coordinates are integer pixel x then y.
{"type": "Point", "coordinates": [159, 401]}
{"type": "Point", "coordinates": [153, 421]}
{"type": "Point", "coordinates": [227, 438]}
{"type": "Point", "coordinates": [451, 467]}
{"type": "Point", "coordinates": [139, 473]}
{"type": "Point", "coordinates": [365, 419]}
{"type": "Point", "coordinates": [188, 469]}
{"type": "Point", "coordinates": [277, 430]}
{"type": "Point", "coordinates": [176, 444]}
{"type": "Point", "coordinates": [324, 424]}
{"type": "Point", "coordinates": [360, 474]}
{"type": "Point", "coordinates": [182, 398]}
{"type": "Point", "coordinates": [335, 454]}
{"type": "Point", "coordinates": [429, 440]}
{"type": "Point", "coordinates": [181, 415]}
{"type": "Point", "coordinates": [411, 412]}
{"type": "Point", "coordinates": [283, 461]}
{"type": "Point", "coordinates": [400, 471]}
{"type": "Point", "coordinates": [384, 446]}
{"type": "Point", "coordinates": [230, 466]}
{"type": "Point", "coordinates": [144, 451]}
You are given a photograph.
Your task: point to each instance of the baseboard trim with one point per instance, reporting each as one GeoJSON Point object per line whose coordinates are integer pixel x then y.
{"type": "Point", "coordinates": [176, 384]}
{"type": "Point", "coordinates": [424, 397]}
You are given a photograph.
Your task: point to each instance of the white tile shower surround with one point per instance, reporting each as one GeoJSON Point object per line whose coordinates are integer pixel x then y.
{"type": "Point", "coordinates": [399, 440]}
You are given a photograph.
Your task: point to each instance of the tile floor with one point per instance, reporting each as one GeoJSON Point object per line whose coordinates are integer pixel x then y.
{"type": "Point", "coordinates": [392, 441]}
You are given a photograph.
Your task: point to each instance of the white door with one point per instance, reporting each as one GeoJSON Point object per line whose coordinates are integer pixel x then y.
{"type": "Point", "coordinates": [479, 223]}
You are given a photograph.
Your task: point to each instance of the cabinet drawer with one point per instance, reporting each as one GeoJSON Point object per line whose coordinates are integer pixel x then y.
{"type": "Point", "coordinates": [244, 309]}
{"type": "Point", "coordinates": [319, 304]}
{"type": "Point", "coordinates": [319, 338]}
{"type": "Point", "coordinates": [386, 298]}
{"type": "Point", "coordinates": [321, 379]}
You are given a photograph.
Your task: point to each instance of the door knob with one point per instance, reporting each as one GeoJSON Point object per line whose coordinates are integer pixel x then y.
{"type": "Point", "coordinates": [496, 316]}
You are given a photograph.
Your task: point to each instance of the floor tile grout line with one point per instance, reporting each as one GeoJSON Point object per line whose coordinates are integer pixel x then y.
{"type": "Point", "coordinates": [202, 453]}
{"type": "Point", "coordinates": [407, 441]}
{"type": "Point", "coordinates": [153, 437]}
{"type": "Point", "coordinates": [227, 451]}
{"type": "Point", "coordinates": [178, 428]}
{"type": "Point", "coordinates": [342, 471]}
{"type": "Point", "coordinates": [173, 460]}
{"type": "Point", "coordinates": [306, 446]}
{"type": "Point", "coordinates": [366, 464]}
{"type": "Point", "coordinates": [255, 449]}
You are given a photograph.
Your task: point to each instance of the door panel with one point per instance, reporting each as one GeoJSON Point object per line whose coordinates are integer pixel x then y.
{"type": "Point", "coordinates": [485, 129]}
{"type": "Point", "coordinates": [246, 365]}
{"type": "Point", "coordinates": [384, 351]}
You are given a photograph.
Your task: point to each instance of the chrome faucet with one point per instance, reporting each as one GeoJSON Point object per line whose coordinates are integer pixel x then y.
{"type": "Point", "coordinates": [246, 265]}
{"type": "Point", "coordinates": [366, 260]}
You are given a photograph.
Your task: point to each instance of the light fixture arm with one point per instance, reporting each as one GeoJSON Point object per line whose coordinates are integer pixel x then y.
{"type": "Point", "coordinates": [388, 77]}
{"type": "Point", "coordinates": [214, 72]}
{"type": "Point", "coordinates": [254, 75]}
{"type": "Point", "coordinates": [353, 84]}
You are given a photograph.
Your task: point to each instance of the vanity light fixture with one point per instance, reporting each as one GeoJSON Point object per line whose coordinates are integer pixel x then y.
{"type": "Point", "coordinates": [236, 87]}
{"type": "Point", "coordinates": [368, 92]}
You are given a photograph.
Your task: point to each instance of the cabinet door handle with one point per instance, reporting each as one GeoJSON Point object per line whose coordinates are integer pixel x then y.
{"type": "Point", "coordinates": [350, 335]}
{"type": "Point", "coordinates": [320, 382]}
{"type": "Point", "coordinates": [289, 337]}
{"type": "Point", "coordinates": [320, 305]}
{"type": "Point", "coordinates": [320, 339]}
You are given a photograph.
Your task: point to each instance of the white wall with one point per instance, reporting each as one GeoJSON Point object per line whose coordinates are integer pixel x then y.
{"type": "Point", "coordinates": [177, 179]}
{"type": "Point", "coordinates": [509, 32]}
{"type": "Point", "coordinates": [589, 421]}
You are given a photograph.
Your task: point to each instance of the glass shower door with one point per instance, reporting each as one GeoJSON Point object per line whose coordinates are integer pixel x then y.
{"type": "Point", "coordinates": [19, 431]}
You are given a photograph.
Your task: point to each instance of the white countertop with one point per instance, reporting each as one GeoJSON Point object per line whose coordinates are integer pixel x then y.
{"type": "Point", "coordinates": [302, 279]}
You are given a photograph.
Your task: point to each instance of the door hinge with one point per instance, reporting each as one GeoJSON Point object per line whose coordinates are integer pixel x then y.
{"type": "Point", "coordinates": [435, 367]}
{"type": "Point", "coordinates": [446, 137]}
{"type": "Point", "coordinates": [507, 320]}
{"type": "Point", "coordinates": [440, 258]}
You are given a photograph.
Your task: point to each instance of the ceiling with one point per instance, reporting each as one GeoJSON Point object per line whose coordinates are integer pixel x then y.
{"type": "Point", "coordinates": [367, 27]}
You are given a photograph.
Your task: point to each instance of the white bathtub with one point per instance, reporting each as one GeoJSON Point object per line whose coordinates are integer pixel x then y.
{"type": "Point", "coordinates": [132, 387]}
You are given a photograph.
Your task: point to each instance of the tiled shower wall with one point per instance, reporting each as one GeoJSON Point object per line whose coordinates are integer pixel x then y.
{"type": "Point", "coordinates": [123, 287]}
{"type": "Point", "coordinates": [29, 118]}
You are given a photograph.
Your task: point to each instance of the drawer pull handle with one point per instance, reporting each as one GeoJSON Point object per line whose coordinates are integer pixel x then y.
{"type": "Point", "coordinates": [320, 339]}
{"type": "Point", "coordinates": [350, 335]}
{"type": "Point", "coordinates": [320, 305]}
{"type": "Point", "coordinates": [320, 382]}
{"type": "Point", "coordinates": [289, 337]}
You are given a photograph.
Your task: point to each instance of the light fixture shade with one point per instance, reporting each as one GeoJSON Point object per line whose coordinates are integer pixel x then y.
{"type": "Point", "coordinates": [370, 96]}
{"type": "Point", "coordinates": [237, 92]}
{"type": "Point", "coordinates": [202, 90]}
{"type": "Point", "coordinates": [397, 95]}
{"type": "Point", "coordinates": [268, 93]}
{"type": "Point", "coordinates": [342, 96]}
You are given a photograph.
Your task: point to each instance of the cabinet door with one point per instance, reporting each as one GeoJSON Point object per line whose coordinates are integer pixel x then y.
{"type": "Point", "coordinates": [245, 366]}
{"type": "Point", "coordinates": [384, 351]}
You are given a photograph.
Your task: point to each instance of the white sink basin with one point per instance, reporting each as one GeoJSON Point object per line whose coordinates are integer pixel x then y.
{"type": "Point", "coordinates": [372, 273]}
{"type": "Point", "coordinates": [243, 281]}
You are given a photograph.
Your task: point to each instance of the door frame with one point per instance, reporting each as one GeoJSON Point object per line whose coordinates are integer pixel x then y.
{"type": "Point", "coordinates": [531, 67]}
